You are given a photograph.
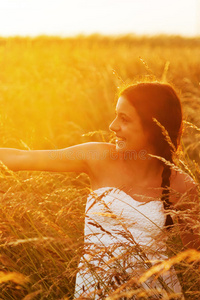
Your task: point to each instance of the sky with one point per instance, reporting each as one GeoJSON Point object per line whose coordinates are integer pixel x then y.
{"type": "Point", "coordinates": [109, 17]}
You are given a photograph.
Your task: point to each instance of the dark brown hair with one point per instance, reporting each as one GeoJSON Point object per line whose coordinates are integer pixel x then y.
{"type": "Point", "coordinates": [158, 104]}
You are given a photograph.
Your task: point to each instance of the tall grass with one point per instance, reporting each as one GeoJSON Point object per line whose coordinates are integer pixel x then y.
{"type": "Point", "coordinates": [53, 92]}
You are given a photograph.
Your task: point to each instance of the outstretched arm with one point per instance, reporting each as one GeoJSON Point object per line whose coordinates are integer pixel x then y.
{"type": "Point", "coordinates": [71, 159]}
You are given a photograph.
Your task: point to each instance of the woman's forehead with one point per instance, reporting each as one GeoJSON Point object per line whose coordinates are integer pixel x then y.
{"type": "Point", "coordinates": [125, 107]}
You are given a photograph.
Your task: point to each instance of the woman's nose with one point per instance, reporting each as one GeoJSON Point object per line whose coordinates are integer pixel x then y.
{"type": "Point", "coordinates": [114, 126]}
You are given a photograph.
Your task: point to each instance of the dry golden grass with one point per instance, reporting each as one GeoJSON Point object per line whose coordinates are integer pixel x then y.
{"type": "Point", "coordinates": [52, 93]}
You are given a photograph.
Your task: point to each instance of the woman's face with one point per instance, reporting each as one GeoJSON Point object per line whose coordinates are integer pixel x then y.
{"type": "Point", "coordinates": [130, 135]}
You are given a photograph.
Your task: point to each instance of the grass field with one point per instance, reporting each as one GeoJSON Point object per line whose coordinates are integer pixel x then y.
{"type": "Point", "coordinates": [55, 93]}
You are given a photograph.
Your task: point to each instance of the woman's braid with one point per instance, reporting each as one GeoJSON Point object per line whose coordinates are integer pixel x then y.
{"type": "Point", "coordinates": [165, 193]}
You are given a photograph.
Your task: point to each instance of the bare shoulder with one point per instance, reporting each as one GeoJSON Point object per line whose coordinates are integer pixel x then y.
{"type": "Point", "coordinates": [101, 149]}
{"type": "Point", "coordinates": [89, 148]}
{"type": "Point", "coordinates": [97, 156]}
{"type": "Point", "coordinates": [183, 184]}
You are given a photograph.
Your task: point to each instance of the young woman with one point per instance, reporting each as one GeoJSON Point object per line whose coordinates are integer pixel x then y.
{"type": "Point", "coordinates": [127, 210]}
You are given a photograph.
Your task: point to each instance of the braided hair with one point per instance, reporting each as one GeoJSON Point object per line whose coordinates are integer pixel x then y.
{"type": "Point", "coordinates": [165, 194]}
{"type": "Point", "coordinates": [158, 101]}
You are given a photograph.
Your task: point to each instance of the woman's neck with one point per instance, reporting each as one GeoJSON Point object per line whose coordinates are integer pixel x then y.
{"type": "Point", "coordinates": [143, 166]}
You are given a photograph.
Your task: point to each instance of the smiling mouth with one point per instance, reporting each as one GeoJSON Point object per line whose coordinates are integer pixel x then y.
{"type": "Point", "coordinates": [119, 139]}
{"type": "Point", "coordinates": [120, 142]}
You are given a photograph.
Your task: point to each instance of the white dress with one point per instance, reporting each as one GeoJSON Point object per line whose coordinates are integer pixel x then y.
{"type": "Point", "coordinates": [123, 239]}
